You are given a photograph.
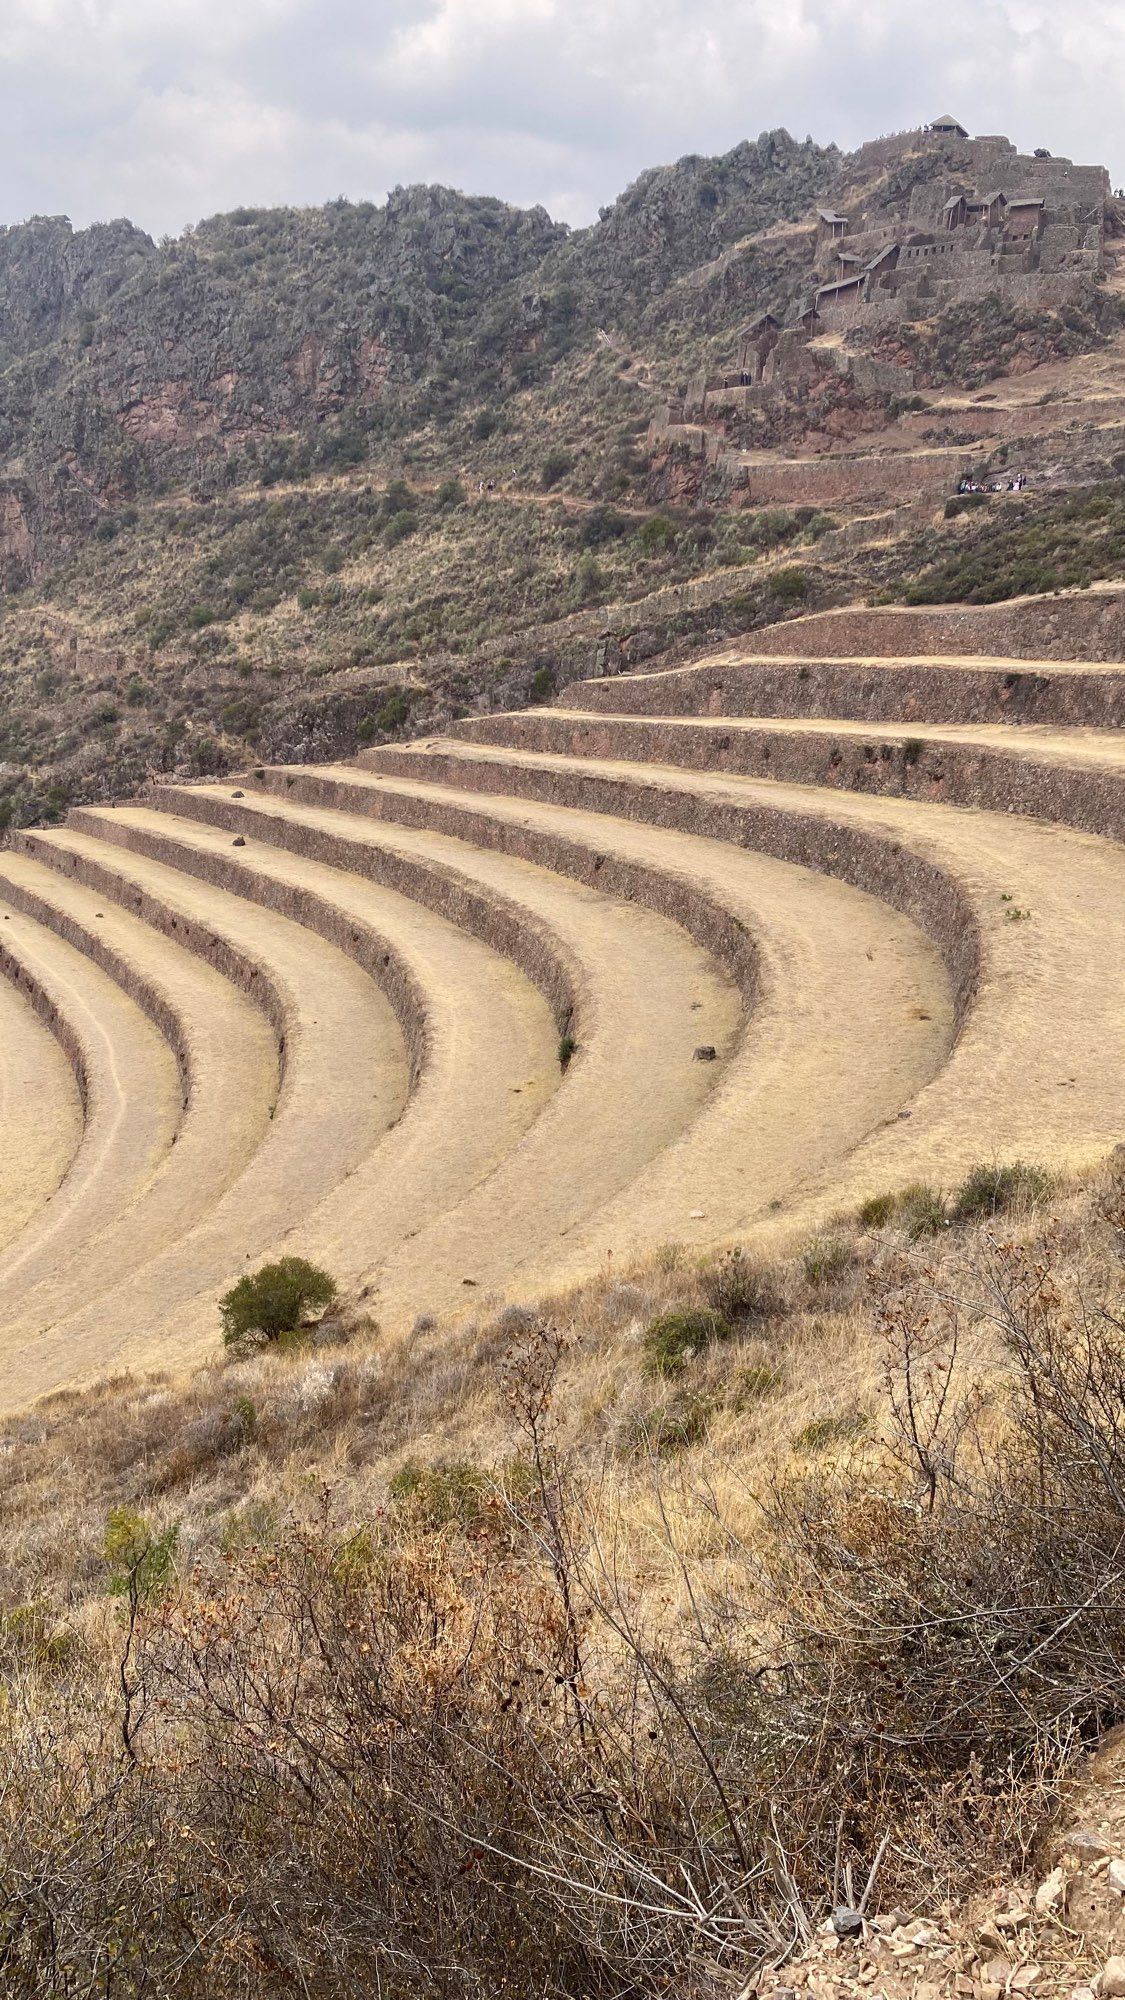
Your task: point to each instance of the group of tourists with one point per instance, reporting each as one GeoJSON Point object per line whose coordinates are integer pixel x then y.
{"type": "Point", "coordinates": [1014, 484]}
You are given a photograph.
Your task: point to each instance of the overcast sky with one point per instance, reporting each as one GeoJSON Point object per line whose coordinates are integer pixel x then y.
{"type": "Point", "coordinates": [168, 110]}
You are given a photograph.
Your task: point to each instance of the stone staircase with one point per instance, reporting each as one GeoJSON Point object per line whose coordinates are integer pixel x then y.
{"type": "Point", "coordinates": [815, 922]}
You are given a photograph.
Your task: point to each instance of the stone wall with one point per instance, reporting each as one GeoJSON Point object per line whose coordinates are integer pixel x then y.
{"type": "Point", "coordinates": [946, 283]}
{"type": "Point", "coordinates": [864, 691]}
{"type": "Point", "coordinates": [1083, 625]}
{"type": "Point", "coordinates": [878, 863]}
{"type": "Point", "coordinates": [1072, 190]}
{"type": "Point", "coordinates": [949, 773]}
{"type": "Point", "coordinates": [816, 482]}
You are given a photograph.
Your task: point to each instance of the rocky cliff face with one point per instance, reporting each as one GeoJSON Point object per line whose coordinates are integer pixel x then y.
{"type": "Point", "coordinates": [124, 364]}
{"type": "Point", "coordinates": [267, 343]}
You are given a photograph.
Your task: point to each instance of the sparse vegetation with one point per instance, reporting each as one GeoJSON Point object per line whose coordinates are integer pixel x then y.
{"type": "Point", "coordinates": [1027, 547]}
{"type": "Point", "coordinates": [361, 1730]}
{"type": "Point", "coordinates": [992, 1190]}
{"type": "Point", "coordinates": [675, 1339]}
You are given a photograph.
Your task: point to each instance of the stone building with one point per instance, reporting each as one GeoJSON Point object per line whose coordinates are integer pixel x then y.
{"type": "Point", "coordinates": [995, 221]}
{"type": "Point", "coordinates": [756, 342]}
{"type": "Point", "coordinates": [830, 227]}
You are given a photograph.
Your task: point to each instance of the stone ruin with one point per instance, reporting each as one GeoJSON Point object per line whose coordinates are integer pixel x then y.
{"type": "Point", "coordinates": [1030, 227]}
{"type": "Point", "coordinates": [1027, 226]}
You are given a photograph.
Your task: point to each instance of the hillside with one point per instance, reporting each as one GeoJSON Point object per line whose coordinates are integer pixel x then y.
{"type": "Point", "coordinates": [562, 1092]}
{"type": "Point", "coordinates": [277, 485]}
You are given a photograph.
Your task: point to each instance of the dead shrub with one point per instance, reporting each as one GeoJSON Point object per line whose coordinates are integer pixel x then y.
{"type": "Point", "coordinates": [740, 1288]}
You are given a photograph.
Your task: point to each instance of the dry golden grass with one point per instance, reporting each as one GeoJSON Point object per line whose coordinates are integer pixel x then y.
{"type": "Point", "coordinates": [540, 1655]}
{"type": "Point", "coordinates": [268, 1433]}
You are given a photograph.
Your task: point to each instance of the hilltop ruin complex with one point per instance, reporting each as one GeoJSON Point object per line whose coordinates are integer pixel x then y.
{"type": "Point", "coordinates": [926, 220]}
{"type": "Point", "coordinates": [1029, 224]}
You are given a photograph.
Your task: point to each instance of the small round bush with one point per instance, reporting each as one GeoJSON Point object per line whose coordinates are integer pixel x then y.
{"type": "Point", "coordinates": [676, 1338]}
{"type": "Point", "coordinates": [921, 1211]}
{"type": "Point", "coordinates": [739, 1287]}
{"type": "Point", "coordinates": [877, 1211]}
{"type": "Point", "coordinates": [991, 1190]}
{"type": "Point", "coordinates": [827, 1260]}
{"type": "Point", "coordinates": [279, 1299]}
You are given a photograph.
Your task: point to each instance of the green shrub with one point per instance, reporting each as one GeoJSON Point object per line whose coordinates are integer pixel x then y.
{"type": "Point", "coordinates": [450, 493]}
{"type": "Point", "coordinates": [991, 1190]}
{"type": "Point", "coordinates": [279, 1299]}
{"type": "Point", "coordinates": [677, 1337]}
{"type": "Point", "coordinates": [655, 534]}
{"type": "Point", "coordinates": [601, 524]}
{"type": "Point", "coordinates": [827, 1260]}
{"type": "Point", "coordinates": [921, 1211]}
{"type": "Point", "coordinates": [139, 1561]}
{"type": "Point", "coordinates": [589, 578]}
{"type": "Point", "coordinates": [395, 710]}
{"type": "Point", "coordinates": [789, 585]}
{"type": "Point", "coordinates": [556, 465]}
{"type": "Point", "coordinates": [820, 524]}
{"type": "Point", "coordinates": [399, 527]}
{"type": "Point", "coordinates": [876, 1211]}
{"type": "Point", "coordinates": [568, 1047]}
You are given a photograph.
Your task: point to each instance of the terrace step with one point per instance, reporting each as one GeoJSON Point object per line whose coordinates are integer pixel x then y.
{"type": "Point", "coordinates": [129, 1082]}
{"type": "Point", "coordinates": [227, 1060]}
{"type": "Point", "coordinates": [41, 1109]}
{"type": "Point", "coordinates": [1075, 776]}
{"type": "Point", "coordinates": [644, 997]}
{"type": "Point", "coordinates": [1087, 626]}
{"type": "Point", "coordinates": [1030, 919]}
{"type": "Point", "coordinates": [937, 690]}
{"type": "Point", "coordinates": [826, 1059]}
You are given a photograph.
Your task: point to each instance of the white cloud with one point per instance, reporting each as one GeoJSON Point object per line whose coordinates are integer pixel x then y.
{"type": "Point", "coordinates": [168, 111]}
